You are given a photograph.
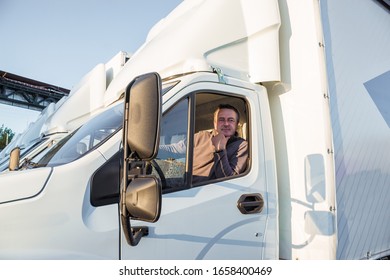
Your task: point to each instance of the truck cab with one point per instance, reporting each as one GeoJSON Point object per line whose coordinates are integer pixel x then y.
{"type": "Point", "coordinates": [79, 181]}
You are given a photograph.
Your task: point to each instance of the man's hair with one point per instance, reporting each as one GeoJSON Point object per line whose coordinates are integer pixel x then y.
{"type": "Point", "coordinates": [227, 106]}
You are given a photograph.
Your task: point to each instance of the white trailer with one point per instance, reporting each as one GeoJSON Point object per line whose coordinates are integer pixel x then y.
{"type": "Point", "coordinates": [310, 80]}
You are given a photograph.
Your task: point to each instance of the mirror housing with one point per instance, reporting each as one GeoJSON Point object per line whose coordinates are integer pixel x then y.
{"type": "Point", "coordinates": [143, 198]}
{"type": "Point", "coordinates": [14, 159]}
{"type": "Point", "coordinates": [143, 97]}
{"type": "Point", "coordinates": [140, 196]}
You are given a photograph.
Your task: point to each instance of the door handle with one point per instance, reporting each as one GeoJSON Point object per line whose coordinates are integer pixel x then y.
{"type": "Point", "coordinates": [250, 203]}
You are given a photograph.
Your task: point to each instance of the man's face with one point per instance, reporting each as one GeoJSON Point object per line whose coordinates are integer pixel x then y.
{"type": "Point", "coordinates": [226, 122]}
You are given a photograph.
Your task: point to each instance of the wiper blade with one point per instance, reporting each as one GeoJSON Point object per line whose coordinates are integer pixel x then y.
{"type": "Point", "coordinates": [28, 164]}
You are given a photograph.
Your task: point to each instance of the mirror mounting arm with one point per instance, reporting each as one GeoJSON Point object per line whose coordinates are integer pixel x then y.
{"type": "Point", "coordinates": [133, 234]}
{"type": "Point", "coordinates": [131, 239]}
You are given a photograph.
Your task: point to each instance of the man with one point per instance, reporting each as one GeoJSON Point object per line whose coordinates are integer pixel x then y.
{"type": "Point", "coordinates": [219, 153]}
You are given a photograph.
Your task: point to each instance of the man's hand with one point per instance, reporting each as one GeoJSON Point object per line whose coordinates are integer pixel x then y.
{"type": "Point", "coordinates": [219, 141]}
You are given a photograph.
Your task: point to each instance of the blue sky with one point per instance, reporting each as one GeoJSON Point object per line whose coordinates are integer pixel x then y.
{"type": "Point", "coordinates": [57, 42]}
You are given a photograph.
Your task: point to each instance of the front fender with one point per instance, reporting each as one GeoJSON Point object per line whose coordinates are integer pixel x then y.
{"type": "Point", "coordinates": [18, 185]}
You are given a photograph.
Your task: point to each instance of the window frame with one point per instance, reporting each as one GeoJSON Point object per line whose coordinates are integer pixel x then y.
{"type": "Point", "coordinates": [191, 123]}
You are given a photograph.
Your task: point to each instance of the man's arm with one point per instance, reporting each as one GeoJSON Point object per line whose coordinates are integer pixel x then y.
{"type": "Point", "coordinates": [174, 148]}
{"type": "Point", "coordinates": [232, 160]}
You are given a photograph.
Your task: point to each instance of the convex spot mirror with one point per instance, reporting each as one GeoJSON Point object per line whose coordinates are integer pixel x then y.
{"type": "Point", "coordinates": [143, 199]}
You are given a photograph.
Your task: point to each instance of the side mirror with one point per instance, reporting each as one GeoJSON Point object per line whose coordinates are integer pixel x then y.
{"type": "Point", "coordinates": [143, 199]}
{"type": "Point", "coordinates": [14, 159]}
{"type": "Point", "coordinates": [140, 197]}
{"type": "Point", "coordinates": [143, 114]}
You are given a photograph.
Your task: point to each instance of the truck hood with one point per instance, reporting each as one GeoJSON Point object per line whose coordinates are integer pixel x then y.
{"type": "Point", "coordinates": [17, 185]}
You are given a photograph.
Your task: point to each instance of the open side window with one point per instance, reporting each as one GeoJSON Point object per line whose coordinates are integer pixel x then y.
{"type": "Point", "coordinates": [190, 115]}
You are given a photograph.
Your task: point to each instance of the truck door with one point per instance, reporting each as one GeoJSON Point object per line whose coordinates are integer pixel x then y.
{"type": "Point", "coordinates": [225, 218]}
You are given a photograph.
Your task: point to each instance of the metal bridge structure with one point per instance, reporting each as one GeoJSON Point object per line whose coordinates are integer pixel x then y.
{"type": "Point", "coordinates": [27, 93]}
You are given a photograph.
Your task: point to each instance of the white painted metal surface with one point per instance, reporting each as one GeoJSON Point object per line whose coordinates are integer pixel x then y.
{"type": "Point", "coordinates": [357, 44]}
{"type": "Point", "coordinates": [240, 38]}
{"type": "Point", "coordinates": [301, 123]}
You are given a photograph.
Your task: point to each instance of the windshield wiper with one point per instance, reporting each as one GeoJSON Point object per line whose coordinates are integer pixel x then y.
{"type": "Point", "coordinates": [29, 164]}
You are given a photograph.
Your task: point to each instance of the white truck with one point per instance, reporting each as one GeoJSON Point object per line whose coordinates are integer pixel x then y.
{"type": "Point", "coordinates": [310, 80]}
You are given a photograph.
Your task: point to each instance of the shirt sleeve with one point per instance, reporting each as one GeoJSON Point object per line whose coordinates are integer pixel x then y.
{"type": "Point", "coordinates": [232, 160]}
{"type": "Point", "coordinates": [174, 148]}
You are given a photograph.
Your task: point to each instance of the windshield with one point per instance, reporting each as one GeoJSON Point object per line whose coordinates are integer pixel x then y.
{"type": "Point", "coordinates": [85, 138]}
{"type": "Point", "coordinates": [23, 152]}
